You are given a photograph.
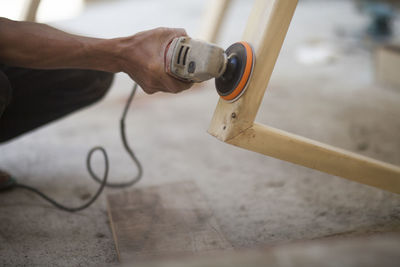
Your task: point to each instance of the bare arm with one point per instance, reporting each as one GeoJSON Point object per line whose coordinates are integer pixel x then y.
{"type": "Point", "coordinates": [35, 45]}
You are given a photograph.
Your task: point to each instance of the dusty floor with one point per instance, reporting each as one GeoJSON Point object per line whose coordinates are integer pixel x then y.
{"type": "Point", "coordinates": [256, 199]}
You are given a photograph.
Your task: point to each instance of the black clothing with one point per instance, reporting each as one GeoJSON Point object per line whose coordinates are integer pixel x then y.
{"type": "Point", "coordinates": [31, 98]}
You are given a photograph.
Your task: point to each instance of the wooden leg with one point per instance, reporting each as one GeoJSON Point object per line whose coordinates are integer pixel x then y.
{"type": "Point", "coordinates": [266, 31]}
{"type": "Point", "coordinates": [213, 18]}
{"type": "Point", "coordinates": [31, 10]}
{"type": "Point", "coordinates": [234, 122]}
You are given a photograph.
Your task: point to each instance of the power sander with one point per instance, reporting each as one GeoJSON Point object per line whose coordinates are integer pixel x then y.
{"type": "Point", "coordinates": [193, 60]}
{"type": "Point", "coordinates": [188, 60]}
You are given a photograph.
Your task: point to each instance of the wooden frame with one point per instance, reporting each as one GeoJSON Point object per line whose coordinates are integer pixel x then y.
{"type": "Point", "coordinates": [234, 124]}
{"type": "Point", "coordinates": [31, 10]}
{"type": "Point", "coordinates": [213, 18]}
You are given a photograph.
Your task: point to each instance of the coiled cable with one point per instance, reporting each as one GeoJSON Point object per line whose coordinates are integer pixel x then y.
{"type": "Point", "coordinates": [104, 181]}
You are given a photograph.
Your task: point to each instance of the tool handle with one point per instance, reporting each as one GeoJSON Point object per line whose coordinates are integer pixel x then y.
{"type": "Point", "coordinates": [193, 60]}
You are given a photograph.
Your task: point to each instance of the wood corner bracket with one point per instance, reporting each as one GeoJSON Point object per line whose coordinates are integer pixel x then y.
{"type": "Point", "coordinates": [234, 124]}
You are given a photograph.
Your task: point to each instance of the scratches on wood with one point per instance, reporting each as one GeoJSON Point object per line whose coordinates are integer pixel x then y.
{"type": "Point", "coordinates": [162, 221]}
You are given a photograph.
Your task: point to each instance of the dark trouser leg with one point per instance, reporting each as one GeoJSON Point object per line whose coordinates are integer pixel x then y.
{"type": "Point", "coordinates": [41, 96]}
{"type": "Point", "coordinates": [5, 92]}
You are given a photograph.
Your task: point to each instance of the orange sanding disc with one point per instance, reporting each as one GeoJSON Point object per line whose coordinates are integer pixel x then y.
{"type": "Point", "coordinates": [232, 84]}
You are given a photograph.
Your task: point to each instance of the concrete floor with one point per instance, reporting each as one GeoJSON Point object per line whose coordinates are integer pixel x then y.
{"type": "Point", "coordinates": [257, 200]}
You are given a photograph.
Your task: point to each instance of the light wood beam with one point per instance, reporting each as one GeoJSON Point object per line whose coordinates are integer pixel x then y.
{"type": "Point", "coordinates": [266, 31]}
{"type": "Point", "coordinates": [312, 154]}
{"type": "Point", "coordinates": [31, 10]}
{"type": "Point", "coordinates": [233, 123]}
{"type": "Point", "coordinates": [213, 18]}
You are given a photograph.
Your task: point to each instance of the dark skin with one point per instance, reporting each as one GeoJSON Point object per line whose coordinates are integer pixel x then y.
{"type": "Point", "coordinates": [141, 56]}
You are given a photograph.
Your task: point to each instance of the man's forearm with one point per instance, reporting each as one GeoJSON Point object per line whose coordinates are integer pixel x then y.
{"type": "Point", "coordinates": [40, 46]}
{"type": "Point", "coordinates": [141, 56]}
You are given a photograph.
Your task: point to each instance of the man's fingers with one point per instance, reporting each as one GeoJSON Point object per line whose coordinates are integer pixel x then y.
{"type": "Point", "coordinates": [181, 32]}
{"type": "Point", "coordinates": [149, 69]}
{"type": "Point", "coordinates": [172, 33]}
{"type": "Point", "coordinates": [169, 85]}
{"type": "Point", "coordinates": [176, 86]}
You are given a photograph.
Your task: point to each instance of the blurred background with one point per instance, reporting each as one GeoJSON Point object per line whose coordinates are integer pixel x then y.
{"type": "Point", "coordinates": [336, 81]}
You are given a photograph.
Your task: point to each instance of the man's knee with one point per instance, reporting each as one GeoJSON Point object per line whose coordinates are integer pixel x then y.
{"type": "Point", "coordinates": [100, 85]}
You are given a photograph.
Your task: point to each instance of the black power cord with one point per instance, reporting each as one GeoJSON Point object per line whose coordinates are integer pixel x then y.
{"type": "Point", "coordinates": [103, 182]}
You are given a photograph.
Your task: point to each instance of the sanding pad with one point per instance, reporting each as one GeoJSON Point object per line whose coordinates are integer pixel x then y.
{"type": "Point", "coordinates": [232, 84]}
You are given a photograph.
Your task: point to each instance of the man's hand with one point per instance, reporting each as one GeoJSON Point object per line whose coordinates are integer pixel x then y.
{"type": "Point", "coordinates": [34, 45]}
{"type": "Point", "coordinates": [142, 57]}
